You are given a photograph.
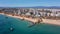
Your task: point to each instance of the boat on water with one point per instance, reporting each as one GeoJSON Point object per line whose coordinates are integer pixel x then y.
{"type": "Point", "coordinates": [11, 28]}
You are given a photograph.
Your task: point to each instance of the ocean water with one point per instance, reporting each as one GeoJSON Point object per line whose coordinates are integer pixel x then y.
{"type": "Point", "coordinates": [22, 27]}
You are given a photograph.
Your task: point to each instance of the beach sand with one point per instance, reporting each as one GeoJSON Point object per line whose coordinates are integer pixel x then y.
{"type": "Point", "coordinates": [29, 19]}
{"type": "Point", "coordinates": [47, 21]}
{"type": "Point", "coordinates": [51, 21]}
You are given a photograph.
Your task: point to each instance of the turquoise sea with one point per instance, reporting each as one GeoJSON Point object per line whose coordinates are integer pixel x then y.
{"type": "Point", "coordinates": [22, 27]}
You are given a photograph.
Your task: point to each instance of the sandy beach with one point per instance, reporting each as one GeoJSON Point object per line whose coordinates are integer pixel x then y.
{"type": "Point", "coordinates": [28, 19]}
{"type": "Point", "coordinates": [50, 21]}
{"type": "Point", "coordinates": [47, 21]}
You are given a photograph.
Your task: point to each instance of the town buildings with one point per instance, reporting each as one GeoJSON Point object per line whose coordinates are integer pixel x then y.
{"type": "Point", "coordinates": [35, 12]}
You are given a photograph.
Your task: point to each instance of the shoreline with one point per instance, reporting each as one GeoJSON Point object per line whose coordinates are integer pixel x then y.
{"type": "Point", "coordinates": [46, 21]}
{"type": "Point", "coordinates": [23, 18]}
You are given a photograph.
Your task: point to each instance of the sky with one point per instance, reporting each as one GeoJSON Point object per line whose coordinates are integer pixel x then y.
{"type": "Point", "coordinates": [28, 3]}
